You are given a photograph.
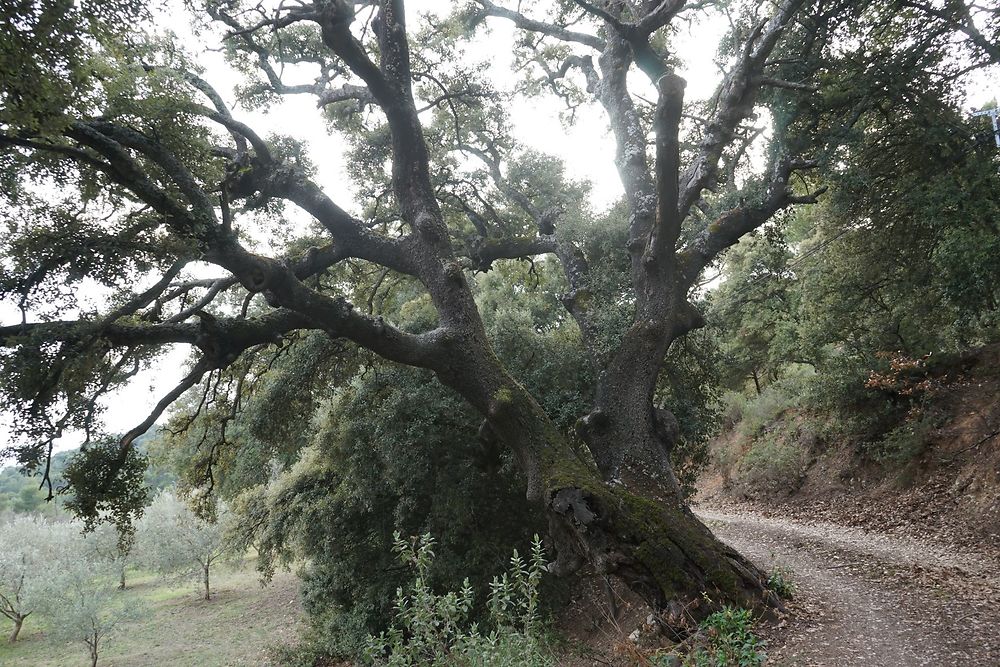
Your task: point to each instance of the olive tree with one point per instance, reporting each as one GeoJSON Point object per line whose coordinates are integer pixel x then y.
{"type": "Point", "coordinates": [86, 605]}
{"type": "Point", "coordinates": [155, 172]}
{"type": "Point", "coordinates": [106, 544]}
{"type": "Point", "coordinates": [176, 540]}
{"type": "Point", "coordinates": [30, 549]}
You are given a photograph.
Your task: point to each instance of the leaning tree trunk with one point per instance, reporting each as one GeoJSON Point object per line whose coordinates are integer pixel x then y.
{"type": "Point", "coordinates": [18, 624]}
{"type": "Point", "coordinates": [656, 546]}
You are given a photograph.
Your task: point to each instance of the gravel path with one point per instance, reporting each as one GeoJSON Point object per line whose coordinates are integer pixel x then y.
{"type": "Point", "coordinates": [868, 599]}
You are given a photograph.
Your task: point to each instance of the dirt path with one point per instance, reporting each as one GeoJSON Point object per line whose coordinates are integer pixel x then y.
{"type": "Point", "coordinates": [867, 599]}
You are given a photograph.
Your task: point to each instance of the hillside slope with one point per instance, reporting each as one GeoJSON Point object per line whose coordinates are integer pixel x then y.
{"type": "Point", "coordinates": [942, 480]}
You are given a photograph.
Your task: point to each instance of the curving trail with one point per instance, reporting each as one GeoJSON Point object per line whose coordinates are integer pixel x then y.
{"type": "Point", "coordinates": [870, 599]}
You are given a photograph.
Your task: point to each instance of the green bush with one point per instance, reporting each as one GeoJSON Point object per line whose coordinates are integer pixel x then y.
{"type": "Point", "coordinates": [773, 465]}
{"type": "Point", "coordinates": [857, 412]}
{"type": "Point", "coordinates": [759, 412]}
{"type": "Point", "coordinates": [906, 441]}
{"type": "Point", "coordinates": [733, 405]}
{"type": "Point", "coordinates": [434, 629]}
{"type": "Point", "coordinates": [395, 452]}
{"type": "Point", "coordinates": [781, 583]}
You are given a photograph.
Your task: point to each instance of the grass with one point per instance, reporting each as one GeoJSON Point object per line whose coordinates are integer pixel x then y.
{"type": "Point", "coordinates": [178, 629]}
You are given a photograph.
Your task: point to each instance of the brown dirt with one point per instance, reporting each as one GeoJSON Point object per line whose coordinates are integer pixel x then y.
{"type": "Point", "coordinates": [865, 598]}
{"type": "Point", "coordinates": [597, 624]}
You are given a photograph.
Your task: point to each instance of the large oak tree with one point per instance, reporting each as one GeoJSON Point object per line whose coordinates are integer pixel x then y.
{"type": "Point", "coordinates": [120, 161]}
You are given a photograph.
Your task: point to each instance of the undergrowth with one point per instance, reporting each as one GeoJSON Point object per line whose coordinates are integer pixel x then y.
{"type": "Point", "coordinates": [780, 581]}
{"type": "Point", "coordinates": [433, 629]}
{"type": "Point", "coordinates": [774, 464]}
{"type": "Point", "coordinates": [724, 639]}
{"type": "Point", "coordinates": [731, 641]}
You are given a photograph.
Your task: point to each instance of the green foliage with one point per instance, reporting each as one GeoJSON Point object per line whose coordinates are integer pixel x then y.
{"type": "Point", "coordinates": [86, 606]}
{"type": "Point", "coordinates": [395, 451]}
{"type": "Point", "coordinates": [434, 629]}
{"type": "Point", "coordinates": [773, 465]}
{"type": "Point", "coordinates": [213, 452]}
{"type": "Point", "coordinates": [531, 333]}
{"type": "Point", "coordinates": [780, 581]}
{"type": "Point", "coordinates": [21, 493]}
{"type": "Point", "coordinates": [906, 441]}
{"type": "Point", "coordinates": [174, 540]}
{"type": "Point", "coordinates": [759, 412]}
{"type": "Point", "coordinates": [33, 549]}
{"type": "Point", "coordinates": [107, 484]}
{"type": "Point", "coordinates": [106, 546]}
{"type": "Point", "coordinates": [891, 263]}
{"type": "Point", "coordinates": [689, 387]}
{"type": "Point", "coordinates": [45, 48]}
{"type": "Point", "coordinates": [608, 297]}
{"type": "Point", "coordinates": [731, 641]}
{"type": "Point", "coordinates": [754, 312]}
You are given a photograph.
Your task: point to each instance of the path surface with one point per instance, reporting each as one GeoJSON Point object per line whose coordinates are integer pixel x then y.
{"type": "Point", "coordinates": [871, 600]}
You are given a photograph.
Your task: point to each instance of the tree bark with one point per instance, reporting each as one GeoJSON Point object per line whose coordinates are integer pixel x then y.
{"type": "Point", "coordinates": [121, 579]}
{"type": "Point", "coordinates": [18, 623]}
{"type": "Point", "coordinates": [648, 538]}
{"type": "Point", "coordinates": [207, 595]}
{"type": "Point", "coordinates": [654, 543]}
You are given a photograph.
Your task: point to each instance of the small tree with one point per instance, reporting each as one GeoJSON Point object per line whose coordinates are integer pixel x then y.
{"type": "Point", "coordinates": [176, 540]}
{"type": "Point", "coordinates": [85, 604]}
{"type": "Point", "coordinates": [105, 544]}
{"type": "Point", "coordinates": [26, 548]}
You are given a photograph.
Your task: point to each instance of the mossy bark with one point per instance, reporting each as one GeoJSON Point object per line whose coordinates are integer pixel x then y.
{"type": "Point", "coordinates": [647, 537]}
{"type": "Point", "coordinates": [654, 543]}
{"type": "Point", "coordinates": [660, 551]}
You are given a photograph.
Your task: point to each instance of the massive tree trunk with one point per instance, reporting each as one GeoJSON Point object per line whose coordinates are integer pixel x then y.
{"type": "Point", "coordinates": [646, 537]}
{"type": "Point", "coordinates": [652, 541]}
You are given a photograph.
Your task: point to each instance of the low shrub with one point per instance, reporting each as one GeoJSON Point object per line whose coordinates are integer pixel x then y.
{"type": "Point", "coordinates": [759, 412]}
{"type": "Point", "coordinates": [433, 629]}
{"type": "Point", "coordinates": [780, 581]}
{"type": "Point", "coordinates": [773, 465]}
{"type": "Point", "coordinates": [728, 641]}
{"type": "Point", "coordinates": [733, 404]}
{"type": "Point", "coordinates": [906, 441]}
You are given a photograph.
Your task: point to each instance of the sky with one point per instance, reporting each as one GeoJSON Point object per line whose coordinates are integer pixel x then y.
{"type": "Point", "coordinates": [587, 149]}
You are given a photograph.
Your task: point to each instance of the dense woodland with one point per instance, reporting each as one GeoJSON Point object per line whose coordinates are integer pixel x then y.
{"type": "Point", "coordinates": [389, 393]}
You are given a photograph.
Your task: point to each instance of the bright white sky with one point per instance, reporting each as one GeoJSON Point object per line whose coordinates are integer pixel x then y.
{"type": "Point", "coordinates": [587, 148]}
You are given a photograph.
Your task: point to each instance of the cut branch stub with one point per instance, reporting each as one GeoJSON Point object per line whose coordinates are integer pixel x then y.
{"type": "Point", "coordinates": [669, 107]}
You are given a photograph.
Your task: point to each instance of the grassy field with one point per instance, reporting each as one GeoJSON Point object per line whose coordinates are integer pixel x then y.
{"type": "Point", "coordinates": [178, 629]}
